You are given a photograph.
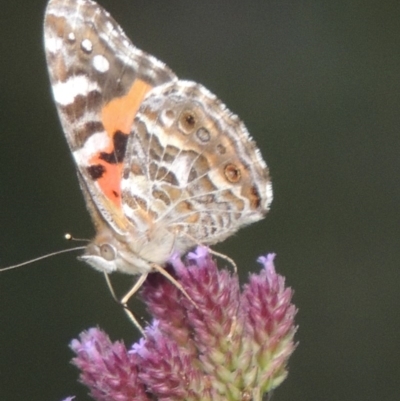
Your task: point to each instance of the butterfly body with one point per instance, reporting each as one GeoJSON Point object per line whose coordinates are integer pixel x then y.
{"type": "Point", "coordinates": [162, 163]}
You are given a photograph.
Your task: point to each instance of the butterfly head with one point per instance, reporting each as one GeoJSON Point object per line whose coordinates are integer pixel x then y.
{"type": "Point", "coordinates": [131, 253]}
{"type": "Point", "coordinates": [108, 253]}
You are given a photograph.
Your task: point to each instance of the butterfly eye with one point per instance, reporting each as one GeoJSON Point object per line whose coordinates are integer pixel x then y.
{"type": "Point", "coordinates": [107, 252]}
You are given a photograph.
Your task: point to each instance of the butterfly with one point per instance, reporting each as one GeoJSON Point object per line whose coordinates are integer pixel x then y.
{"type": "Point", "coordinates": [162, 163]}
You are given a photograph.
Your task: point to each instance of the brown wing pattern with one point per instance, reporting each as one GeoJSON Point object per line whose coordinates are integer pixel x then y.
{"type": "Point", "coordinates": [192, 166]}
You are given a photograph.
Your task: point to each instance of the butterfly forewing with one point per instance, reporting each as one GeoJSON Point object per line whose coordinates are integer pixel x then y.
{"type": "Point", "coordinates": [99, 79]}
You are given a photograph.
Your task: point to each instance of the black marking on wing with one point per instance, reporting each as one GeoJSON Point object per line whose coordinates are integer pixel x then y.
{"type": "Point", "coordinates": [117, 155]}
{"type": "Point", "coordinates": [96, 171]}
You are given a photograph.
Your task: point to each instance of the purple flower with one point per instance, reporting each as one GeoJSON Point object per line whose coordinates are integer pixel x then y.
{"type": "Point", "coordinates": [232, 346]}
{"type": "Point", "coordinates": [107, 368]}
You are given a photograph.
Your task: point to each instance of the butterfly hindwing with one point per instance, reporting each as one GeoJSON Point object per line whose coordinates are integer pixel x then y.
{"type": "Point", "coordinates": [192, 168]}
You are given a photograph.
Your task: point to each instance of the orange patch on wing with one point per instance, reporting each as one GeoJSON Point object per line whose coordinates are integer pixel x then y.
{"type": "Point", "coordinates": [110, 181]}
{"type": "Point", "coordinates": [118, 115]}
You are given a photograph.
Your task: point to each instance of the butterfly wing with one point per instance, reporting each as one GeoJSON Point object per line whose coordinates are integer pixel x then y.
{"type": "Point", "coordinates": [99, 79]}
{"type": "Point", "coordinates": [192, 166]}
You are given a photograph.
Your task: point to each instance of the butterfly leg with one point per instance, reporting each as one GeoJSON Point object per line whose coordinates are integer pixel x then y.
{"type": "Point", "coordinates": [215, 253]}
{"type": "Point", "coordinates": [123, 302]}
{"type": "Point", "coordinates": [134, 289]}
{"type": "Point", "coordinates": [225, 257]}
{"type": "Point", "coordinates": [162, 271]}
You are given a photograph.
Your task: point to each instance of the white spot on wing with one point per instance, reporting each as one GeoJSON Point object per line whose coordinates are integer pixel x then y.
{"type": "Point", "coordinates": [182, 169]}
{"type": "Point", "coordinates": [270, 195]}
{"type": "Point", "coordinates": [168, 117]}
{"type": "Point", "coordinates": [100, 63]}
{"type": "Point", "coordinates": [53, 45]}
{"type": "Point", "coordinates": [109, 26]}
{"type": "Point", "coordinates": [87, 45]}
{"type": "Point", "coordinates": [65, 92]}
{"type": "Point", "coordinates": [94, 144]}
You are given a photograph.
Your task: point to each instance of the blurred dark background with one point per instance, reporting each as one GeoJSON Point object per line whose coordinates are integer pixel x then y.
{"type": "Point", "coordinates": [318, 86]}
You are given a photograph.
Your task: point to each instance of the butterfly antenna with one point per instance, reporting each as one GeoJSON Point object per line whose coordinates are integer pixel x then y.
{"type": "Point", "coordinates": [69, 237]}
{"type": "Point", "coordinates": [49, 255]}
